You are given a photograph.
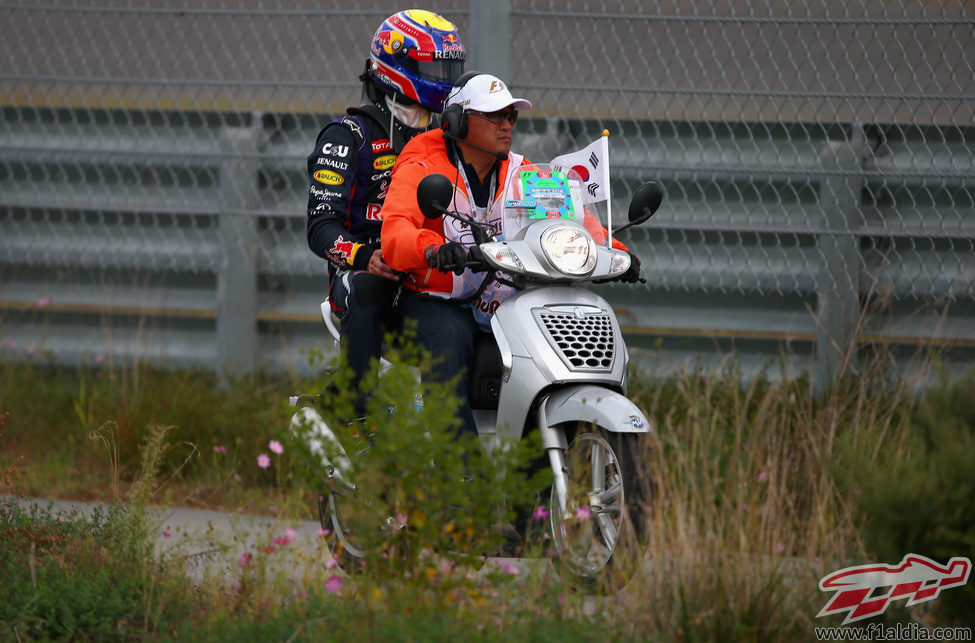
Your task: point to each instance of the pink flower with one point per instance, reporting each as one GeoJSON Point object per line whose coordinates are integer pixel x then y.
{"type": "Point", "coordinates": [333, 585]}
{"type": "Point", "coordinates": [780, 547]}
{"type": "Point", "coordinates": [270, 549]}
{"type": "Point", "coordinates": [263, 461]}
{"type": "Point", "coordinates": [166, 534]}
{"type": "Point", "coordinates": [290, 533]}
{"type": "Point", "coordinates": [331, 563]}
{"type": "Point", "coordinates": [508, 567]}
{"type": "Point", "coordinates": [244, 559]}
{"type": "Point", "coordinates": [238, 478]}
{"type": "Point", "coordinates": [43, 301]}
{"type": "Point", "coordinates": [31, 351]}
{"type": "Point", "coordinates": [99, 358]}
{"type": "Point", "coordinates": [275, 447]}
{"type": "Point", "coordinates": [743, 507]}
{"type": "Point", "coordinates": [284, 541]}
{"type": "Point", "coordinates": [762, 475]}
{"type": "Point", "coordinates": [219, 448]}
{"type": "Point", "coordinates": [323, 532]}
{"type": "Point", "coordinates": [541, 513]}
{"type": "Point", "coordinates": [583, 512]}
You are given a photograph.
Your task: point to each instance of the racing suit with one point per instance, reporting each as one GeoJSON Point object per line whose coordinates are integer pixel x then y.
{"type": "Point", "coordinates": [349, 173]}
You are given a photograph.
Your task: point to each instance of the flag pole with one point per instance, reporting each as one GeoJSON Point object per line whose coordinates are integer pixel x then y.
{"type": "Point", "coordinates": [609, 199]}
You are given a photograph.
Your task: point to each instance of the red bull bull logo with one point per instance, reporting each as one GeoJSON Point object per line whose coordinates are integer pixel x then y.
{"type": "Point", "coordinates": [342, 249]}
{"type": "Point", "coordinates": [867, 590]}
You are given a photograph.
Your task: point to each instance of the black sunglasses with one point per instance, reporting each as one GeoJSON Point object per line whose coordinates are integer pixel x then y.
{"type": "Point", "coordinates": [499, 117]}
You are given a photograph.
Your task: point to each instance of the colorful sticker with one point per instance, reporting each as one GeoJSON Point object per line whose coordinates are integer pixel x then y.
{"type": "Point", "coordinates": [550, 194]}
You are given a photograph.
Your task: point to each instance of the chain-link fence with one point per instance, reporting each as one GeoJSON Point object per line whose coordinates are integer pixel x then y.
{"type": "Point", "coordinates": [815, 154]}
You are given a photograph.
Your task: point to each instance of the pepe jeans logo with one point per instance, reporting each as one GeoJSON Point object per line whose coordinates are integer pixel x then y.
{"type": "Point", "coordinates": [867, 590]}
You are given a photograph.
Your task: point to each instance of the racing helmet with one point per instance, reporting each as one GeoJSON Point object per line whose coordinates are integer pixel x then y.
{"type": "Point", "coordinates": [417, 55]}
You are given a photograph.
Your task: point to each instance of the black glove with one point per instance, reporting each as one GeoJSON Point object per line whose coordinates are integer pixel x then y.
{"type": "Point", "coordinates": [632, 275]}
{"type": "Point", "coordinates": [451, 256]}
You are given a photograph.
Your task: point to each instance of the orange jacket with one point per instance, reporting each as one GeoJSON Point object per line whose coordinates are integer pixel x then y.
{"type": "Point", "coordinates": [406, 233]}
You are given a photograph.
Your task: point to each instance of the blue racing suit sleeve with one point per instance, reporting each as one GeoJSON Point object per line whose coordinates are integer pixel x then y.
{"type": "Point", "coordinates": [333, 182]}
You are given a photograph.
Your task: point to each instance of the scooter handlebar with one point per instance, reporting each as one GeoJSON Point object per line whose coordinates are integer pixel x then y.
{"type": "Point", "coordinates": [473, 261]}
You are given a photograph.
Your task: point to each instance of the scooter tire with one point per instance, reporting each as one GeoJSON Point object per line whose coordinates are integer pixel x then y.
{"type": "Point", "coordinates": [600, 540]}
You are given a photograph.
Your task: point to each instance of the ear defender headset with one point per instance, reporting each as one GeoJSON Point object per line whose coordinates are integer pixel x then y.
{"type": "Point", "coordinates": [453, 119]}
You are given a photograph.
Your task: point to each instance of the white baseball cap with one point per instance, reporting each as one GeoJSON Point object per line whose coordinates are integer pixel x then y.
{"type": "Point", "coordinates": [485, 93]}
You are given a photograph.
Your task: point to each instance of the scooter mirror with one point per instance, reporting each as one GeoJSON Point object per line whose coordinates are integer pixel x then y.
{"type": "Point", "coordinates": [646, 200]}
{"type": "Point", "coordinates": [433, 195]}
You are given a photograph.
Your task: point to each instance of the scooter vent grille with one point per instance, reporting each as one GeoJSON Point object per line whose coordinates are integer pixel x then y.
{"type": "Point", "coordinates": [586, 342]}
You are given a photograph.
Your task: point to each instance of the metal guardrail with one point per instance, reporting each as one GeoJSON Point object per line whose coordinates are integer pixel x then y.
{"type": "Point", "coordinates": [211, 254]}
{"type": "Point", "coordinates": [819, 198]}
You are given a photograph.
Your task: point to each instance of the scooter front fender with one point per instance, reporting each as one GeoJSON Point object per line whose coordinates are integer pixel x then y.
{"type": "Point", "coordinates": [596, 405]}
{"type": "Point", "coordinates": [588, 404]}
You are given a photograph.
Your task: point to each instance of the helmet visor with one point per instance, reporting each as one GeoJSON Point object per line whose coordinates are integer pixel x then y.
{"type": "Point", "coordinates": [445, 70]}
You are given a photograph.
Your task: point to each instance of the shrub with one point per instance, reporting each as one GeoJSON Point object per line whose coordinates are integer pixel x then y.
{"type": "Point", "coordinates": [913, 489]}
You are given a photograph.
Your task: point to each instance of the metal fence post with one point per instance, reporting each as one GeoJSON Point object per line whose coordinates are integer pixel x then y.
{"type": "Point", "coordinates": [838, 283]}
{"type": "Point", "coordinates": [490, 38]}
{"type": "Point", "coordinates": [237, 340]}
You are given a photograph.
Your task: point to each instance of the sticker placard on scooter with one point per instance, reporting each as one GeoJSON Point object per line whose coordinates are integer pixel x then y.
{"type": "Point", "coordinates": [550, 193]}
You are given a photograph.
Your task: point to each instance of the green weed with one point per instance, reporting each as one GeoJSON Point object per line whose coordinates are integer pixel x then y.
{"type": "Point", "coordinates": [760, 488]}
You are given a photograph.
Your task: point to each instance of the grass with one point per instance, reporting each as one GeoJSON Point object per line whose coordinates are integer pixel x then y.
{"type": "Point", "coordinates": [761, 488]}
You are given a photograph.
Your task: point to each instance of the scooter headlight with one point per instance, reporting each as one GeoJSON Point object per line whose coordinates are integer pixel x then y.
{"type": "Point", "coordinates": [570, 250]}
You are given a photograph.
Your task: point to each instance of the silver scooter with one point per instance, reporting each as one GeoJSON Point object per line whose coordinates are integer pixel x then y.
{"type": "Point", "coordinates": [558, 365]}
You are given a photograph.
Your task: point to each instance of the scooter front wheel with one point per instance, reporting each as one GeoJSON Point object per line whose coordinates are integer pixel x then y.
{"type": "Point", "coordinates": [598, 535]}
{"type": "Point", "coordinates": [338, 533]}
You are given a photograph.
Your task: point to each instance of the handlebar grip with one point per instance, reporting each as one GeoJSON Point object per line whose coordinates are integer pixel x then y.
{"type": "Point", "coordinates": [474, 261]}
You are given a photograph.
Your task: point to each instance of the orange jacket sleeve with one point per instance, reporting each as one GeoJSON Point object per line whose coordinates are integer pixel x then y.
{"type": "Point", "coordinates": [406, 233]}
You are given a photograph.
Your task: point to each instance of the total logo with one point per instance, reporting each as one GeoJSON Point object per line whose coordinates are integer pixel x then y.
{"type": "Point", "coordinates": [328, 177]}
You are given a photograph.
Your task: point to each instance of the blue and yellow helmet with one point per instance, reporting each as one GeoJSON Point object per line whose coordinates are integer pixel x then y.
{"type": "Point", "coordinates": [418, 55]}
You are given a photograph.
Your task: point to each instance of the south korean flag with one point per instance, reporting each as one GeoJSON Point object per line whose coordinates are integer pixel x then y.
{"type": "Point", "coordinates": [590, 163]}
